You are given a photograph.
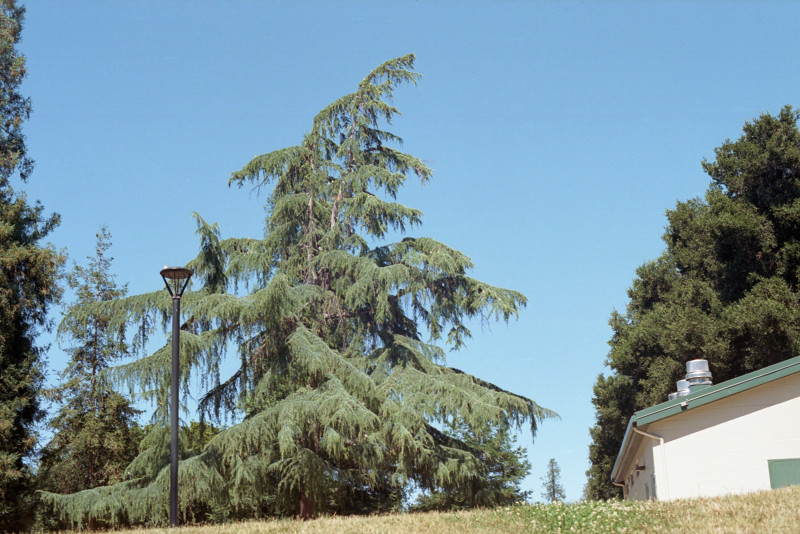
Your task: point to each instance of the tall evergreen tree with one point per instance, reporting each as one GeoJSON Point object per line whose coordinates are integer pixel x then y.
{"type": "Point", "coordinates": [339, 392]}
{"type": "Point", "coordinates": [95, 427]}
{"type": "Point", "coordinates": [726, 288]}
{"type": "Point", "coordinates": [29, 274]}
{"type": "Point", "coordinates": [553, 491]}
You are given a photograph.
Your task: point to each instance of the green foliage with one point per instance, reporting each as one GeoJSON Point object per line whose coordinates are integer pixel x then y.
{"type": "Point", "coordinates": [341, 382]}
{"type": "Point", "coordinates": [94, 439]}
{"type": "Point", "coordinates": [197, 435]}
{"type": "Point", "coordinates": [551, 483]}
{"type": "Point", "coordinates": [29, 273]}
{"type": "Point", "coordinates": [14, 108]}
{"type": "Point", "coordinates": [498, 483]}
{"type": "Point", "coordinates": [726, 288]}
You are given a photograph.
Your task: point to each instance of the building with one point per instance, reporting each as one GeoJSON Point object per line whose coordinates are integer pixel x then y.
{"type": "Point", "coordinates": [738, 436]}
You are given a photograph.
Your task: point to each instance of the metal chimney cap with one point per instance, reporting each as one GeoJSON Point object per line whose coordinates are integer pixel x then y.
{"type": "Point", "coordinates": [693, 366]}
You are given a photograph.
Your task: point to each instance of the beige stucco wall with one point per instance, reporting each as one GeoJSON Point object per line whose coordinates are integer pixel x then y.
{"type": "Point", "coordinates": [723, 447]}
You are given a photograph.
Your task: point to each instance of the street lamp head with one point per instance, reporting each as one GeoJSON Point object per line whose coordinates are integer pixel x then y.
{"type": "Point", "coordinates": [176, 275]}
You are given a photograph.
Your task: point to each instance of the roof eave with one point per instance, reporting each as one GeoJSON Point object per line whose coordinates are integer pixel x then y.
{"type": "Point", "coordinates": [627, 442]}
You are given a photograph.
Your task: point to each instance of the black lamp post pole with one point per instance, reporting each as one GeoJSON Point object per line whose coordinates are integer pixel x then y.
{"type": "Point", "coordinates": [173, 412]}
{"type": "Point", "coordinates": [179, 276]}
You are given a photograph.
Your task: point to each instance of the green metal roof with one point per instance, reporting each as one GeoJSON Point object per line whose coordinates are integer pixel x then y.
{"type": "Point", "coordinates": [705, 396]}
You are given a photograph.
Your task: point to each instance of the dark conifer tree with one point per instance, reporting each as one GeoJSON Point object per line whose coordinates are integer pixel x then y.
{"type": "Point", "coordinates": [726, 289]}
{"type": "Point", "coordinates": [340, 383]}
{"type": "Point", "coordinates": [29, 273]}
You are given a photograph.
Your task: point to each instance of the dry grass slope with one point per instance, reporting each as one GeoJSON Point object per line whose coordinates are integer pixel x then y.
{"type": "Point", "coordinates": [775, 511]}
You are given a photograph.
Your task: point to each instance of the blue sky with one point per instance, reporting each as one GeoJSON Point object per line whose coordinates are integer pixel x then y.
{"type": "Point", "coordinates": [559, 133]}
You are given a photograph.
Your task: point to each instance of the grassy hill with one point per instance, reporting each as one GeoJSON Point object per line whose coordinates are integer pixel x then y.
{"type": "Point", "coordinates": [775, 511]}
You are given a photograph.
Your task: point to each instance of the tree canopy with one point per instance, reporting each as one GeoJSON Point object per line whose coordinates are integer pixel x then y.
{"type": "Point", "coordinates": [342, 388]}
{"type": "Point", "coordinates": [726, 288]}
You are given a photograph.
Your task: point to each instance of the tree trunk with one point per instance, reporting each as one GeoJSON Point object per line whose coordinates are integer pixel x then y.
{"type": "Point", "coordinates": [306, 507]}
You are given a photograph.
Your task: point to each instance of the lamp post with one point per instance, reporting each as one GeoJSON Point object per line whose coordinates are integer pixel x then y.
{"type": "Point", "coordinates": [176, 279]}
